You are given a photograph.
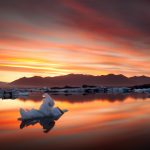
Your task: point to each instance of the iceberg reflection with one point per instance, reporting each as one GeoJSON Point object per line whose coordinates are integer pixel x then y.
{"type": "Point", "coordinates": [46, 123]}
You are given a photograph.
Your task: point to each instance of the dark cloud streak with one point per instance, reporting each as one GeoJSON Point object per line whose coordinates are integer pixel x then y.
{"type": "Point", "coordinates": [117, 18]}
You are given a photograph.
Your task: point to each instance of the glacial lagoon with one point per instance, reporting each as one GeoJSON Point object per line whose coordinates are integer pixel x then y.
{"type": "Point", "coordinates": [96, 121]}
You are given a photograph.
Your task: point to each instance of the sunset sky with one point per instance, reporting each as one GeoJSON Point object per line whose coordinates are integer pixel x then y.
{"type": "Point", "coordinates": [58, 37]}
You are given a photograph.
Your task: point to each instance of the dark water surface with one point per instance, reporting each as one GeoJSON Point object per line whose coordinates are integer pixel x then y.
{"type": "Point", "coordinates": [92, 122]}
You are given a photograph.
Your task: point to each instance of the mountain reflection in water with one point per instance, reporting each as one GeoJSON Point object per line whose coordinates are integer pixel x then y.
{"type": "Point", "coordinates": [89, 97]}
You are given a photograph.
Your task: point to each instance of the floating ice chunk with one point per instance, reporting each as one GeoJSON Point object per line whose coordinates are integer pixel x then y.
{"type": "Point", "coordinates": [30, 113]}
{"type": "Point", "coordinates": [46, 110]}
{"type": "Point", "coordinates": [48, 100]}
{"type": "Point", "coordinates": [47, 105]}
{"type": "Point", "coordinates": [57, 112]}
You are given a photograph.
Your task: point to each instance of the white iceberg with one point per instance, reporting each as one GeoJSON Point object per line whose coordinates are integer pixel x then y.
{"type": "Point", "coordinates": [46, 109]}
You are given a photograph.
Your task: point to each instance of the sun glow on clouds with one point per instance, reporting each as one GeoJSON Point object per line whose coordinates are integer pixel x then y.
{"type": "Point", "coordinates": [62, 37]}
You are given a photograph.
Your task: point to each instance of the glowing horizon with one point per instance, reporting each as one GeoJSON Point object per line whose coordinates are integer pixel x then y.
{"type": "Point", "coordinates": [56, 37]}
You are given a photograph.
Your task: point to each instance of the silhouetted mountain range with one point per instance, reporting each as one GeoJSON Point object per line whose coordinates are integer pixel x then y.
{"type": "Point", "coordinates": [80, 79]}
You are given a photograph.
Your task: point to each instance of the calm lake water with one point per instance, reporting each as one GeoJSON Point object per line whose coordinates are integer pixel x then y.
{"type": "Point", "coordinates": [92, 122]}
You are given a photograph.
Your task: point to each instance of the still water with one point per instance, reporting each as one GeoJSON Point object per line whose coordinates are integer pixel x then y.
{"type": "Point", "coordinates": [92, 122]}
